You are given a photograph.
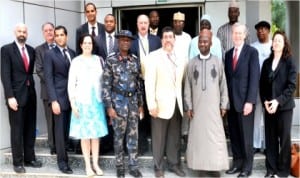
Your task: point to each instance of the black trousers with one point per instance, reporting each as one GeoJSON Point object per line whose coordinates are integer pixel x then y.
{"type": "Point", "coordinates": [22, 130]}
{"type": "Point", "coordinates": [61, 132]}
{"type": "Point", "coordinates": [50, 124]}
{"type": "Point", "coordinates": [241, 139]}
{"type": "Point", "coordinates": [278, 142]}
{"type": "Point", "coordinates": [166, 139]}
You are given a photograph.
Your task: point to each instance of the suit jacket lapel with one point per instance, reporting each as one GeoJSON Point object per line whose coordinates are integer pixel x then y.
{"type": "Point", "coordinates": [31, 57]}
{"type": "Point", "coordinates": [280, 63]}
{"type": "Point", "coordinates": [104, 42]}
{"type": "Point", "coordinates": [230, 61]}
{"type": "Point", "coordinates": [59, 56]}
{"type": "Point", "coordinates": [149, 43]}
{"type": "Point", "coordinates": [242, 53]}
{"type": "Point", "coordinates": [18, 56]}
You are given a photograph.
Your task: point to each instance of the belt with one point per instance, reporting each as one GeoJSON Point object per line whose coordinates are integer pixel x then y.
{"type": "Point", "coordinates": [123, 92]}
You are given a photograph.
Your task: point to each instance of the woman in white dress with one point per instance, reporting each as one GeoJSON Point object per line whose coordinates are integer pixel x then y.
{"type": "Point", "coordinates": [88, 121]}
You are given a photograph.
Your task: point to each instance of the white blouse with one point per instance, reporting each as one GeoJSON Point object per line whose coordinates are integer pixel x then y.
{"type": "Point", "coordinates": [85, 74]}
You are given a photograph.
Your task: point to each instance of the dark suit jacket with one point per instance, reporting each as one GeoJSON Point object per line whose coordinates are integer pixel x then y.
{"type": "Point", "coordinates": [56, 71]}
{"type": "Point", "coordinates": [39, 56]}
{"type": "Point", "coordinates": [13, 74]}
{"type": "Point", "coordinates": [154, 43]}
{"type": "Point", "coordinates": [279, 84]}
{"type": "Point", "coordinates": [84, 29]}
{"type": "Point", "coordinates": [242, 82]}
{"type": "Point", "coordinates": [101, 45]}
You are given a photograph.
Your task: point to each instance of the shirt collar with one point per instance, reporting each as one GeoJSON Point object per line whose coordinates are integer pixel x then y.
{"type": "Point", "coordinates": [20, 46]}
{"type": "Point", "coordinates": [143, 37]}
{"type": "Point", "coordinates": [204, 56]}
{"type": "Point", "coordinates": [107, 34]}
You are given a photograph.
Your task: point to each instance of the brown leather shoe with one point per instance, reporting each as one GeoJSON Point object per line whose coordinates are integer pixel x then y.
{"type": "Point", "coordinates": [159, 174]}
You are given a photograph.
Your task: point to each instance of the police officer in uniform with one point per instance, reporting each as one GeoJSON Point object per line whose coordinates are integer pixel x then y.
{"type": "Point", "coordinates": [122, 95]}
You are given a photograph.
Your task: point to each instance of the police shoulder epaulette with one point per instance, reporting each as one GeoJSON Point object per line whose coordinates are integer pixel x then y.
{"type": "Point", "coordinates": [134, 56]}
{"type": "Point", "coordinates": [111, 54]}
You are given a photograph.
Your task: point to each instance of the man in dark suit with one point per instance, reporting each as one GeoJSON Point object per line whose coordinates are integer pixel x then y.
{"type": "Point", "coordinates": [106, 42]}
{"type": "Point", "coordinates": [154, 28]}
{"type": "Point", "coordinates": [48, 33]}
{"type": "Point", "coordinates": [56, 70]}
{"type": "Point", "coordinates": [242, 74]}
{"type": "Point", "coordinates": [91, 26]}
{"type": "Point", "coordinates": [143, 44]}
{"type": "Point", "coordinates": [17, 62]}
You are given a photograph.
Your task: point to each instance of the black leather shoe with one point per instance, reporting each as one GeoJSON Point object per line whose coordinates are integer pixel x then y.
{"type": "Point", "coordinates": [19, 169]}
{"type": "Point", "coordinates": [136, 173]}
{"type": "Point", "coordinates": [66, 170]}
{"type": "Point", "coordinates": [120, 173]}
{"type": "Point", "coordinates": [244, 174]}
{"type": "Point", "coordinates": [233, 170]}
{"type": "Point", "coordinates": [177, 171]}
{"type": "Point", "coordinates": [268, 175]}
{"type": "Point", "coordinates": [34, 164]}
{"type": "Point", "coordinates": [256, 150]}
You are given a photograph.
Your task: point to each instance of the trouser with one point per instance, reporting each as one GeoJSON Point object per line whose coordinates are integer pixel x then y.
{"type": "Point", "coordinates": [50, 124]}
{"type": "Point", "coordinates": [22, 130]}
{"type": "Point", "coordinates": [126, 127]}
{"type": "Point", "coordinates": [166, 139]}
{"type": "Point", "coordinates": [241, 138]}
{"type": "Point", "coordinates": [278, 142]}
{"type": "Point", "coordinates": [61, 131]}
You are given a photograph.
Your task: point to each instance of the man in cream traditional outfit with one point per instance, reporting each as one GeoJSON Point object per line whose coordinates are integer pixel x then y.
{"type": "Point", "coordinates": [163, 82]}
{"type": "Point", "coordinates": [182, 44]}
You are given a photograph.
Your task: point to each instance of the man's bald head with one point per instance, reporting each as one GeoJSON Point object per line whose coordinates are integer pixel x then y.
{"type": "Point", "coordinates": [21, 33]}
{"type": "Point", "coordinates": [205, 41]}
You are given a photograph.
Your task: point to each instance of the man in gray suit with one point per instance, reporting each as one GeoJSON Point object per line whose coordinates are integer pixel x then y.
{"type": "Point", "coordinates": [48, 33]}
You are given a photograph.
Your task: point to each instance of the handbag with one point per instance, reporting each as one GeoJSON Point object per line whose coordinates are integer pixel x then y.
{"type": "Point", "coordinates": [295, 160]}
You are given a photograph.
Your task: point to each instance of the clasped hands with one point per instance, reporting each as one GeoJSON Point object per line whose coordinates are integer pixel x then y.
{"type": "Point", "coordinates": [271, 106]}
{"type": "Point", "coordinates": [113, 114]}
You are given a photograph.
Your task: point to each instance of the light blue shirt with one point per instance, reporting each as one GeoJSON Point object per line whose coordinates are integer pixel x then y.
{"type": "Point", "coordinates": [215, 48]}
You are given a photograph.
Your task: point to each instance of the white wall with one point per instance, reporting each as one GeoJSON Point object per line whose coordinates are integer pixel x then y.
{"type": "Point", "coordinates": [219, 13]}
{"type": "Point", "coordinates": [33, 13]}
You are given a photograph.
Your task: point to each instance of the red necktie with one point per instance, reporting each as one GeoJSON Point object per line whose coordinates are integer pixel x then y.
{"type": "Point", "coordinates": [235, 58]}
{"type": "Point", "coordinates": [25, 60]}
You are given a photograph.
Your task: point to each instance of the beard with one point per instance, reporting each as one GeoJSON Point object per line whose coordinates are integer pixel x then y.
{"type": "Point", "coordinates": [21, 39]}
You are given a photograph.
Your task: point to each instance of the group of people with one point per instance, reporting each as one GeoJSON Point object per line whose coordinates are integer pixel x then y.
{"type": "Point", "coordinates": [159, 84]}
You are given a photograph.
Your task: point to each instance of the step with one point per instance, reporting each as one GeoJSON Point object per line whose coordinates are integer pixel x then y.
{"type": "Point", "coordinates": [107, 163]}
{"type": "Point", "coordinates": [51, 171]}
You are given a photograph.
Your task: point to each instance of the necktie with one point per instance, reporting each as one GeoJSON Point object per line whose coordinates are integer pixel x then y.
{"type": "Point", "coordinates": [52, 45]}
{"type": "Point", "coordinates": [25, 60]}
{"type": "Point", "coordinates": [173, 65]}
{"type": "Point", "coordinates": [93, 32]}
{"type": "Point", "coordinates": [110, 44]}
{"type": "Point", "coordinates": [66, 56]}
{"type": "Point", "coordinates": [235, 58]}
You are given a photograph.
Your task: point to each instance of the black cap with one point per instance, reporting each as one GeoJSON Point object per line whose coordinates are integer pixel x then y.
{"type": "Point", "coordinates": [263, 24]}
{"type": "Point", "coordinates": [124, 33]}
